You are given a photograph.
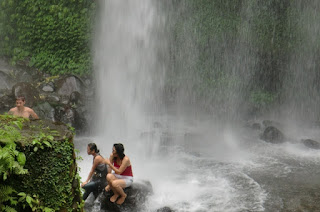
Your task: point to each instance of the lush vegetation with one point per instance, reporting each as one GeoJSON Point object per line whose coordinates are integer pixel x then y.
{"type": "Point", "coordinates": [37, 167]}
{"type": "Point", "coordinates": [53, 36]}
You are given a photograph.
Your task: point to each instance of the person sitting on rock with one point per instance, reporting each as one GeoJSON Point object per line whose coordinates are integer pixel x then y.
{"type": "Point", "coordinates": [96, 180]}
{"type": "Point", "coordinates": [121, 175]}
{"type": "Point", "coordinates": [22, 111]}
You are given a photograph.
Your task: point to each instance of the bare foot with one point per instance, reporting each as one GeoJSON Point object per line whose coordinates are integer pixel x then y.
{"type": "Point", "coordinates": [114, 198]}
{"type": "Point", "coordinates": [121, 199]}
{"type": "Point", "coordinates": [107, 188]}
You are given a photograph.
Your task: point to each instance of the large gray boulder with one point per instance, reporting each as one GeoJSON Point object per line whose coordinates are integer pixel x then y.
{"type": "Point", "coordinates": [69, 84]}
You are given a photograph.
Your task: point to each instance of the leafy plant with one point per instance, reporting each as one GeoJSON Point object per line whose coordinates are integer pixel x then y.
{"type": "Point", "coordinates": [11, 160]}
{"type": "Point", "coordinates": [32, 202]}
{"type": "Point", "coordinates": [42, 140]}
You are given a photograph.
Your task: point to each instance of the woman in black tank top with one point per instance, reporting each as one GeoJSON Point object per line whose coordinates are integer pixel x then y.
{"type": "Point", "coordinates": [96, 180]}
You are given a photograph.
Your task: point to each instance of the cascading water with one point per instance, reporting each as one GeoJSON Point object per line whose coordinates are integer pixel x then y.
{"type": "Point", "coordinates": [194, 160]}
{"type": "Point", "coordinates": [301, 87]}
{"type": "Point", "coordinates": [128, 75]}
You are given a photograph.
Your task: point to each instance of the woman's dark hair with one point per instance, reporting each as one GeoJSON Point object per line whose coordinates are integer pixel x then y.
{"type": "Point", "coordinates": [93, 146]}
{"type": "Point", "coordinates": [120, 150]}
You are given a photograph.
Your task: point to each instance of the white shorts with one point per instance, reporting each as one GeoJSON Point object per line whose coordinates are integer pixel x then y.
{"type": "Point", "coordinates": [127, 179]}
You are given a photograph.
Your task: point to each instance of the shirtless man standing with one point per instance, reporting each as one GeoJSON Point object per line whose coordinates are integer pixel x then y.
{"type": "Point", "coordinates": [21, 110]}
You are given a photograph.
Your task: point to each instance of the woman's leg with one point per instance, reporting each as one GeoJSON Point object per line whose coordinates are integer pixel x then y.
{"type": "Point", "coordinates": [88, 188]}
{"type": "Point", "coordinates": [118, 186]}
{"type": "Point", "coordinates": [110, 179]}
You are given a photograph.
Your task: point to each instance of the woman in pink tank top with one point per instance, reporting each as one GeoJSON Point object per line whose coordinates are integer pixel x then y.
{"type": "Point", "coordinates": [121, 175]}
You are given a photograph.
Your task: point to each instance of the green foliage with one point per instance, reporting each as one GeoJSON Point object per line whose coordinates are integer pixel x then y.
{"type": "Point", "coordinates": [11, 160]}
{"type": "Point", "coordinates": [53, 36]}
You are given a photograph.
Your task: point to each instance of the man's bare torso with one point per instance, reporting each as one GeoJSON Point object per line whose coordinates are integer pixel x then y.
{"type": "Point", "coordinates": [25, 113]}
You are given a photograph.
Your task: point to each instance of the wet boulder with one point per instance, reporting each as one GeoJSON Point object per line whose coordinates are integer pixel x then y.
{"type": "Point", "coordinates": [28, 91]}
{"type": "Point", "coordinates": [75, 98]}
{"type": "Point", "coordinates": [69, 84]}
{"type": "Point", "coordinates": [45, 111]}
{"type": "Point", "coordinates": [272, 135]}
{"type": "Point", "coordinates": [137, 195]}
{"type": "Point", "coordinates": [49, 87]}
{"type": "Point", "coordinates": [165, 209]}
{"type": "Point", "coordinates": [65, 114]}
{"type": "Point", "coordinates": [5, 81]}
{"type": "Point", "coordinates": [311, 143]}
{"type": "Point", "coordinates": [6, 102]}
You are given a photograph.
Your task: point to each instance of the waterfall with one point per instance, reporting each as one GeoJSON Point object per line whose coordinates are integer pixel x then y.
{"type": "Point", "coordinates": [172, 75]}
{"type": "Point", "coordinates": [129, 76]}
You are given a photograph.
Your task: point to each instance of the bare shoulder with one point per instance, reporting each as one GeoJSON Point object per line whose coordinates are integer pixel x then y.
{"type": "Point", "coordinates": [99, 159]}
{"type": "Point", "coordinates": [13, 109]}
{"type": "Point", "coordinates": [126, 159]}
{"type": "Point", "coordinates": [28, 109]}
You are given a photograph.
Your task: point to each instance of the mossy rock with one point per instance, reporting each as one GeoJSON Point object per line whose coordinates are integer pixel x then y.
{"type": "Point", "coordinates": [50, 159]}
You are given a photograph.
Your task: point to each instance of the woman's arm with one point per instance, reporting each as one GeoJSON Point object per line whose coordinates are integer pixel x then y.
{"type": "Point", "coordinates": [110, 161]}
{"type": "Point", "coordinates": [125, 163]}
{"type": "Point", "coordinates": [96, 162]}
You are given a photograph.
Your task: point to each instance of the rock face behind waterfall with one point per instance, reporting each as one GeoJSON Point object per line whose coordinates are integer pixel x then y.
{"type": "Point", "coordinates": [137, 196]}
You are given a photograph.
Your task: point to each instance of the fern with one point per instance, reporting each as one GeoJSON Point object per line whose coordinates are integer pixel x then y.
{"type": "Point", "coordinates": [6, 208]}
{"type": "Point", "coordinates": [11, 162]}
{"type": "Point", "coordinates": [6, 193]}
